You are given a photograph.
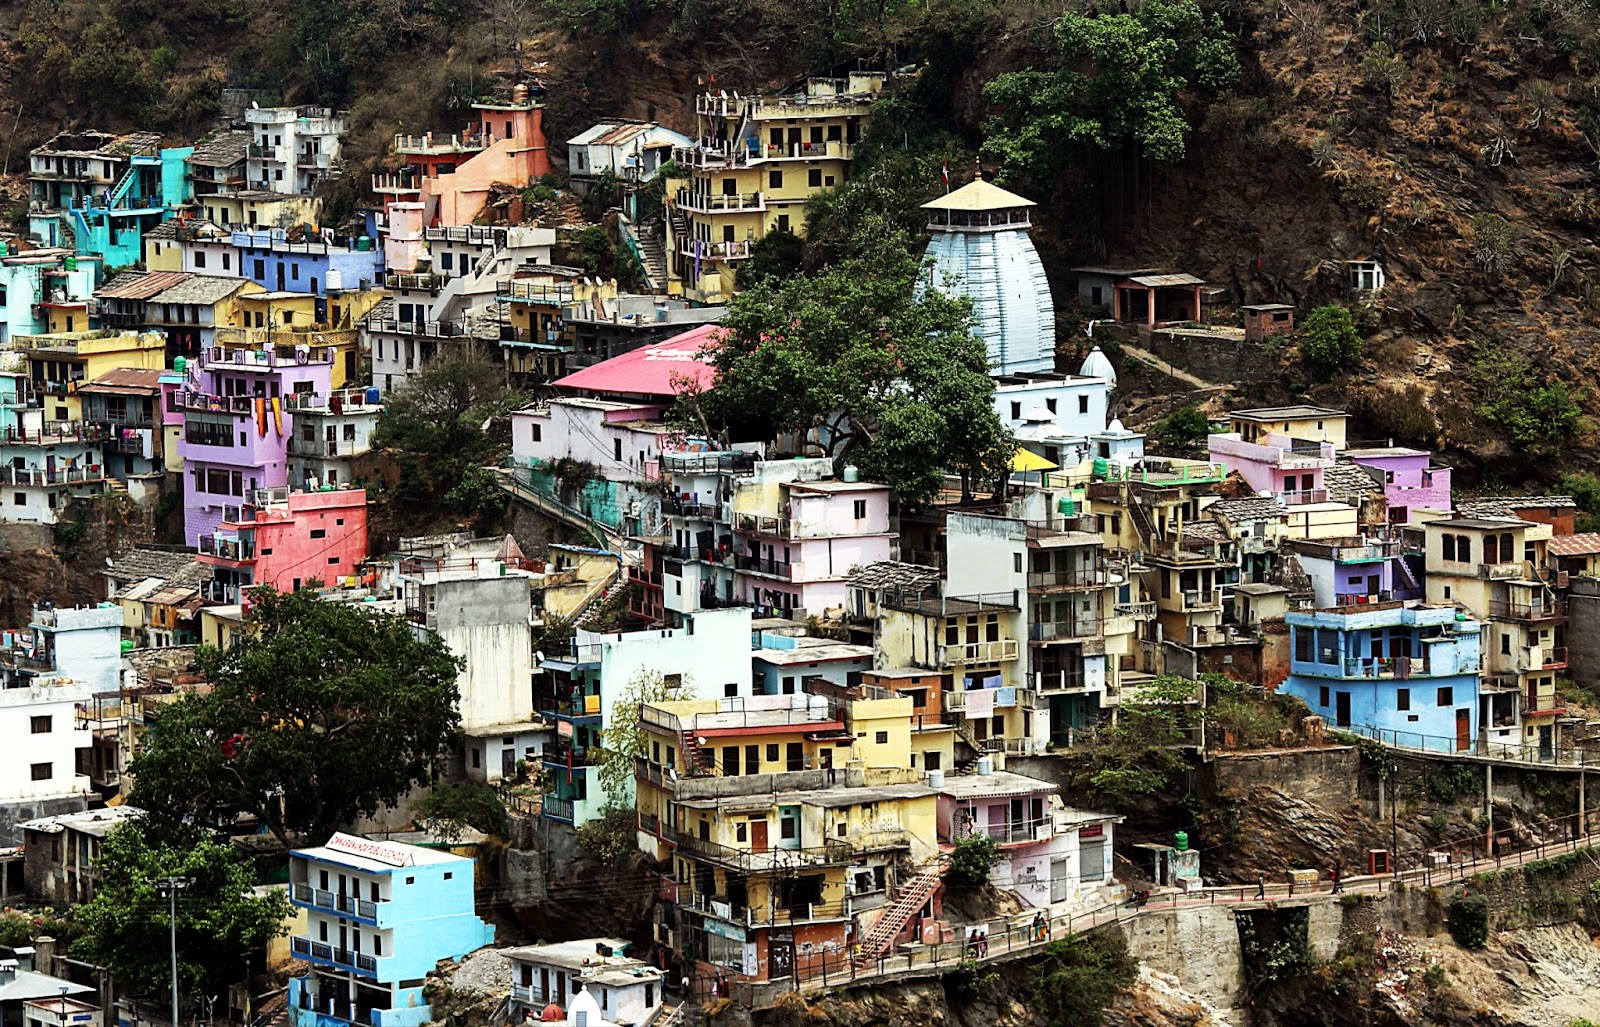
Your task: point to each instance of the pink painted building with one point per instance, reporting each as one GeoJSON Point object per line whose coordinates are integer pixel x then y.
{"type": "Point", "coordinates": [236, 428]}
{"type": "Point", "coordinates": [451, 174]}
{"type": "Point", "coordinates": [799, 556]}
{"type": "Point", "coordinates": [1276, 463]}
{"type": "Point", "coordinates": [288, 540]}
{"type": "Point", "coordinates": [1410, 481]}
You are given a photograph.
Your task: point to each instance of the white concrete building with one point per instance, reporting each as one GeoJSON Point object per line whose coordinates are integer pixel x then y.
{"type": "Point", "coordinates": [482, 609]}
{"type": "Point", "coordinates": [626, 990]}
{"type": "Point", "coordinates": [330, 431]}
{"type": "Point", "coordinates": [630, 150]}
{"type": "Point", "coordinates": [293, 149]}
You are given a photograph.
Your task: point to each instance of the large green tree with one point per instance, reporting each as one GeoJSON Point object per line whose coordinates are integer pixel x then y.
{"type": "Point", "coordinates": [1115, 85]}
{"type": "Point", "coordinates": [880, 373]}
{"type": "Point", "coordinates": [319, 713]}
{"type": "Point", "coordinates": [219, 919]}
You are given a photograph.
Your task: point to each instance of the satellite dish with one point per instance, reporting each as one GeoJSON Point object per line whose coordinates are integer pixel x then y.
{"type": "Point", "coordinates": [109, 562]}
{"type": "Point", "coordinates": [254, 106]}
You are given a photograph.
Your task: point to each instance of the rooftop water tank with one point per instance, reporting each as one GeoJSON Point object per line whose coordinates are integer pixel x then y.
{"type": "Point", "coordinates": [985, 766]}
{"type": "Point", "coordinates": [852, 473]}
{"type": "Point", "coordinates": [935, 779]}
{"type": "Point", "coordinates": [335, 279]}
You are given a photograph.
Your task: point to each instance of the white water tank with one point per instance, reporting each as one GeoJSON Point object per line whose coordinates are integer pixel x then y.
{"type": "Point", "coordinates": [334, 279]}
{"type": "Point", "coordinates": [935, 779]}
{"type": "Point", "coordinates": [985, 766]}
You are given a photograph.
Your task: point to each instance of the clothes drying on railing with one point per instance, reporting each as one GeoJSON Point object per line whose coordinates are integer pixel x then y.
{"type": "Point", "coordinates": [261, 417]}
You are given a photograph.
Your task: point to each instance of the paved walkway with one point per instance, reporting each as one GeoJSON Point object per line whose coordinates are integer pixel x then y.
{"type": "Point", "coordinates": [1167, 368]}
{"type": "Point", "coordinates": [1024, 935]}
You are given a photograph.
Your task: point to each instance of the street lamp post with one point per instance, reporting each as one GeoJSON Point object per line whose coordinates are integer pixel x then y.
{"type": "Point", "coordinates": [171, 885]}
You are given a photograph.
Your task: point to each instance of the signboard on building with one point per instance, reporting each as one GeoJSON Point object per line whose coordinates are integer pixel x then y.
{"type": "Point", "coordinates": [382, 852]}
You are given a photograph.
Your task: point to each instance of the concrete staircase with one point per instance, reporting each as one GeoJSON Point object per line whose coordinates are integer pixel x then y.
{"type": "Point", "coordinates": [654, 254]}
{"type": "Point", "coordinates": [602, 601]}
{"type": "Point", "coordinates": [881, 935]}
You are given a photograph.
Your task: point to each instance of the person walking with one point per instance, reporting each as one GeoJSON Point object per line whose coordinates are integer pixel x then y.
{"type": "Point", "coordinates": [1261, 886]}
{"type": "Point", "coordinates": [1338, 878]}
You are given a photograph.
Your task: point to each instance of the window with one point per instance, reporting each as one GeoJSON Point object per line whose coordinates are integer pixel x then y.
{"type": "Point", "coordinates": [1016, 563]}
{"type": "Point", "coordinates": [43, 771]}
{"type": "Point", "coordinates": [616, 449]}
{"type": "Point", "coordinates": [19, 499]}
{"type": "Point", "coordinates": [861, 509]}
{"type": "Point", "coordinates": [882, 738]}
{"type": "Point", "coordinates": [1464, 548]}
{"type": "Point", "coordinates": [333, 560]}
{"type": "Point", "coordinates": [1447, 696]}
{"type": "Point", "coordinates": [538, 435]}
{"type": "Point", "coordinates": [227, 263]}
{"type": "Point", "coordinates": [199, 258]}
{"type": "Point", "coordinates": [1505, 645]}
{"type": "Point", "coordinates": [40, 725]}
{"type": "Point", "coordinates": [1447, 546]}
{"type": "Point", "coordinates": [294, 272]}
{"type": "Point", "coordinates": [1083, 404]}
{"type": "Point", "coordinates": [814, 178]}
{"type": "Point", "coordinates": [1322, 696]}
{"type": "Point", "coordinates": [772, 752]}
{"type": "Point", "coordinates": [1016, 411]}
{"type": "Point", "coordinates": [774, 180]}
{"type": "Point", "coordinates": [1402, 699]}
{"type": "Point", "coordinates": [449, 875]}
{"type": "Point", "coordinates": [319, 532]}
{"type": "Point", "coordinates": [783, 222]}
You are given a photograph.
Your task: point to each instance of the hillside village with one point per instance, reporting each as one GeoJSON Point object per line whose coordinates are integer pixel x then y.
{"type": "Point", "coordinates": [841, 723]}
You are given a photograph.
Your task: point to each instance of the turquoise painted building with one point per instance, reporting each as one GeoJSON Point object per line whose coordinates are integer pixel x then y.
{"type": "Point", "coordinates": [1406, 674]}
{"type": "Point", "coordinates": [379, 916]}
{"type": "Point", "coordinates": [99, 193]}
{"type": "Point", "coordinates": [34, 283]}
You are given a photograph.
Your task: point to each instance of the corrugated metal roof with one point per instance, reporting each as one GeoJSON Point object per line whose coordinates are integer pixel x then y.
{"type": "Point", "coordinates": [1164, 281]}
{"type": "Point", "coordinates": [649, 370]}
{"type": "Point", "coordinates": [124, 381]}
{"type": "Point", "coordinates": [143, 287]}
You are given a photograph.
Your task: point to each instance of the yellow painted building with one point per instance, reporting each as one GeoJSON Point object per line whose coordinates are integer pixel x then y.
{"type": "Point", "coordinates": [1302, 423]}
{"type": "Point", "coordinates": [1497, 569]}
{"type": "Point", "coordinates": [756, 161]}
{"type": "Point", "coordinates": [259, 209]}
{"type": "Point", "coordinates": [784, 819]}
{"type": "Point", "coordinates": [574, 576]}
{"type": "Point", "coordinates": [286, 322]}
{"type": "Point", "coordinates": [932, 735]}
{"type": "Point", "coordinates": [58, 363]}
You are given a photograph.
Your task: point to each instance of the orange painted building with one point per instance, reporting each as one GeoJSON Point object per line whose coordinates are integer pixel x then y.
{"type": "Point", "coordinates": [451, 174]}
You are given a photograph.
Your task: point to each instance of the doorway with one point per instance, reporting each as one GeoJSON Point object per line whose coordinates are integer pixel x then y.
{"type": "Point", "coordinates": [1341, 714]}
{"type": "Point", "coordinates": [1463, 730]}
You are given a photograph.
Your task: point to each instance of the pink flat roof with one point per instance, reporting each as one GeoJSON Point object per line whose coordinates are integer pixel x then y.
{"type": "Point", "coordinates": [649, 370]}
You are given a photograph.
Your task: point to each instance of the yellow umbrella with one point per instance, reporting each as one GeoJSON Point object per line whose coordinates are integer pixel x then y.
{"type": "Point", "coordinates": [1025, 461]}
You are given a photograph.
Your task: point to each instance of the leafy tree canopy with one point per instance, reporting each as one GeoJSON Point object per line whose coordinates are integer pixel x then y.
{"type": "Point", "coordinates": [1537, 413]}
{"type": "Point", "coordinates": [1143, 751]}
{"type": "Point", "coordinates": [624, 737]}
{"type": "Point", "coordinates": [1329, 341]}
{"type": "Point", "coordinates": [1184, 428]}
{"type": "Point", "coordinates": [320, 713]}
{"type": "Point", "coordinates": [881, 373]}
{"type": "Point", "coordinates": [1115, 86]}
{"type": "Point", "coordinates": [1079, 977]}
{"type": "Point", "coordinates": [442, 407]}
{"type": "Point", "coordinates": [778, 254]}
{"type": "Point", "coordinates": [219, 919]}
{"type": "Point", "coordinates": [451, 806]}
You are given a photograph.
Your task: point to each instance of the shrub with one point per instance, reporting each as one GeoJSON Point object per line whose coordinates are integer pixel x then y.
{"type": "Point", "coordinates": [612, 837]}
{"type": "Point", "coordinates": [970, 863]}
{"type": "Point", "coordinates": [1184, 428]}
{"type": "Point", "coordinates": [1080, 975]}
{"type": "Point", "coordinates": [1469, 920]}
{"type": "Point", "coordinates": [1329, 342]}
{"type": "Point", "coordinates": [1538, 413]}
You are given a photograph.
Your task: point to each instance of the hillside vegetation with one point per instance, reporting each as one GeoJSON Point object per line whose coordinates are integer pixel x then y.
{"type": "Point", "coordinates": [1259, 143]}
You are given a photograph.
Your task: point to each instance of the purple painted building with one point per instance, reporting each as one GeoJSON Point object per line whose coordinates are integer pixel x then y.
{"type": "Point", "coordinates": [1410, 481]}
{"type": "Point", "coordinates": [1356, 571]}
{"type": "Point", "coordinates": [236, 428]}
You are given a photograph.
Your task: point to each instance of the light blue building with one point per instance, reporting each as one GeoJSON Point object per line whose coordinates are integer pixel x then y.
{"type": "Point", "coordinates": [379, 916]}
{"type": "Point", "coordinates": [35, 284]}
{"type": "Point", "coordinates": [782, 663]}
{"type": "Point", "coordinates": [1405, 674]}
{"type": "Point", "coordinates": [100, 193]}
{"type": "Point", "coordinates": [314, 266]}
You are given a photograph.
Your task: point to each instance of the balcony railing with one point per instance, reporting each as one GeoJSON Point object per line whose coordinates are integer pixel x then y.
{"type": "Point", "coordinates": [55, 433]}
{"type": "Point", "coordinates": [1016, 831]}
{"type": "Point", "coordinates": [1361, 598]}
{"type": "Point", "coordinates": [1060, 630]}
{"type": "Point", "coordinates": [1542, 657]}
{"type": "Point", "coordinates": [1537, 611]}
{"type": "Point", "coordinates": [1087, 578]}
{"type": "Point", "coordinates": [1304, 496]}
{"type": "Point", "coordinates": [550, 294]}
{"type": "Point", "coordinates": [1138, 611]}
{"type": "Point", "coordinates": [37, 476]}
{"type": "Point", "coordinates": [223, 548]}
{"type": "Point", "coordinates": [1502, 571]}
{"type": "Point", "coordinates": [558, 808]}
{"type": "Point", "coordinates": [1397, 667]}
{"type": "Point", "coordinates": [1203, 599]}
{"type": "Point", "coordinates": [706, 203]}
{"type": "Point", "coordinates": [692, 248]}
{"type": "Point", "coordinates": [426, 281]}
{"type": "Point", "coordinates": [1004, 698]}
{"type": "Point", "coordinates": [978, 652]}
{"type": "Point", "coordinates": [1060, 680]}
{"type": "Point", "coordinates": [432, 329]}
{"type": "Point", "coordinates": [321, 898]}
{"type": "Point", "coordinates": [776, 568]}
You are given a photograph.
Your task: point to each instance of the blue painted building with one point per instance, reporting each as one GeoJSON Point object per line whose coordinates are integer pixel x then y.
{"type": "Point", "coordinates": [782, 663]}
{"type": "Point", "coordinates": [379, 916]}
{"type": "Point", "coordinates": [313, 266]}
{"type": "Point", "coordinates": [1407, 674]}
{"type": "Point", "coordinates": [100, 193]}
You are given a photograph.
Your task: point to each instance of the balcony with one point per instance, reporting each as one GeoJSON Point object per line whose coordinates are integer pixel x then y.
{"type": "Point", "coordinates": [345, 959]}
{"type": "Point", "coordinates": [1398, 668]}
{"type": "Point", "coordinates": [1202, 599]}
{"type": "Point", "coordinates": [1361, 598]}
{"type": "Point", "coordinates": [40, 476]}
{"type": "Point", "coordinates": [1012, 833]}
{"type": "Point", "coordinates": [425, 281]}
{"type": "Point", "coordinates": [1193, 551]}
{"type": "Point", "coordinates": [273, 153]}
{"type": "Point", "coordinates": [690, 249]}
{"type": "Point", "coordinates": [263, 346]}
{"type": "Point", "coordinates": [326, 449]}
{"type": "Point", "coordinates": [1138, 611]}
{"type": "Point", "coordinates": [1060, 680]}
{"type": "Point", "coordinates": [341, 905]}
{"type": "Point", "coordinates": [430, 329]}
{"type": "Point", "coordinates": [1050, 581]}
{"type": "Point", "coordinates": [1065, 630]}
{"type": "Point", "coordinates": [772, 568]}
{"type": "Point", "coordinates": [230, 550]}
{"type": "Point", "coordinates": [562, 755]}
{"type": "Point", "coordinates": [1533, 658]}
{"type": "Point", "coordinates": [1503, 571]}
{"type": "Point", "coordinates": [831, 852]}
{"type": "Point", "coordinates": [1004, 698]}
{"type": "Point", "coordinates": [55, 433]}
{"type": "Point", "coordinates": [721, 203]}
{"type": "Point", "coordinates": [978, 652]}
{"type": "Point", "coordinates": [548, 294]}
{"type": "Point", "coordinates": [1303, 497]}
{"type": "Point", "coordinates": [1544, 610]}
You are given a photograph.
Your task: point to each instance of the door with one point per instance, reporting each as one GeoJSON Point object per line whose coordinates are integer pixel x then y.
{"type": "Point", "coordinates": [280, 280]}
{"type": "Point", "coordinates": [1546, 743]}
{"type": "Point", "coordinates": [780, 958]}
{"type": "Point", "coordinates": [508, 762]}
{"type": "Point", "coordinates": [1463, 730]}
{"type": "Point", "coordinates": [758, 836]}
{"type": "Point", "coordinates": [1060, 887]}
{"type": "Point", "coordinates": [1341, 714]}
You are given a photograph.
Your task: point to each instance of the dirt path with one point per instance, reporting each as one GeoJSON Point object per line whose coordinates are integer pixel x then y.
{"type": "Point", "coordinates": [1171, 371]}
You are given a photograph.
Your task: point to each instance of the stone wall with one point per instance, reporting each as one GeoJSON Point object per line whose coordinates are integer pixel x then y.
{"type": "Point", "coordinates": [1327, 777]}
{"type": "Point", "coordinates": [1583, 631]}
{"type": "Point", "coordinates": [1197, 944]}
{"type": "Point", "coordinates": [1216, 358]}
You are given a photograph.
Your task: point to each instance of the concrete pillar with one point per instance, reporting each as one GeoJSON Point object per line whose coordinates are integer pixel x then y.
{"type": "Point", "coordinates": [1583, 808]}
{"type": "Point", "coordinates": [1488, 808]}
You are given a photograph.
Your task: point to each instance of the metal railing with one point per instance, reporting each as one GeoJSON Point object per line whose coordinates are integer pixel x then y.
{"type": "Point", "coordinates": [720, 202]}
{"type": "Point", "coordinates": [52, 475]}
{"type": "Point", "coordinates": [1398, 667]}
{"type": "Point", "coordinates": [776, 568]}
{"type": "Point", "coordinates": [237, 550]}
{"type": "Point", "coordinates": [692, 248]}
{"type": "Point", "coordinates": [1541, 610]}
{"type": "Point", "coordinates": [1090, 578]}
{"type": "Point", "coordinates": [55, 433]}
{"type": "Point", "coordinates": [978, 652]}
